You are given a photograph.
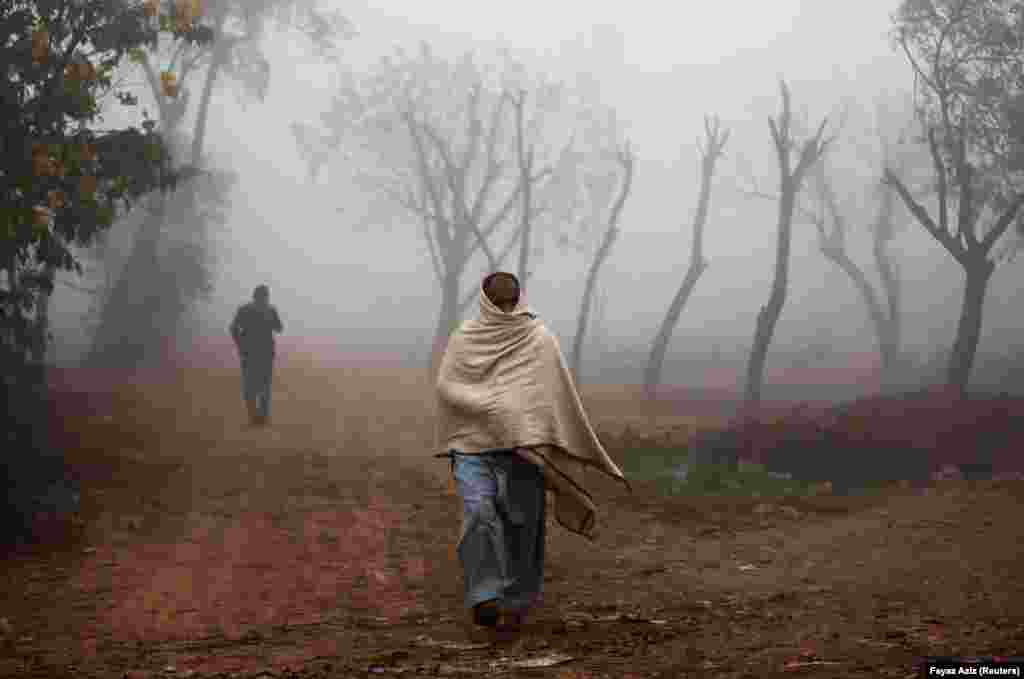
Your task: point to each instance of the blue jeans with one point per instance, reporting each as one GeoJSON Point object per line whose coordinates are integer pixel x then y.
{"type": "Point", "coordinates": [503, 528]}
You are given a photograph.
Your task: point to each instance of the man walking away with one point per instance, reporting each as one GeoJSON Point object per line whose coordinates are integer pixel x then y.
{"type": "Point", "coordinates": [513, 426]}
{"type": "Point", "coordinates": [253, 331]}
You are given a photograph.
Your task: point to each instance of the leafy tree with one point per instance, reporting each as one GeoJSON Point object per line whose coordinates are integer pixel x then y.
{"type": "Point", "coordinates": [64, 178]}
{"type": "Point", "coordinates": [968, 61]}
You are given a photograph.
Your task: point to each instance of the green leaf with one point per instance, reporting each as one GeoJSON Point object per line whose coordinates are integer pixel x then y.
{"type": "Point", "coordinates": [105, 215]}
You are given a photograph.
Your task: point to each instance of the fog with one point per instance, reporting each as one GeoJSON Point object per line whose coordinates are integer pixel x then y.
{"type": "Point", "coordinates": [663, 69]}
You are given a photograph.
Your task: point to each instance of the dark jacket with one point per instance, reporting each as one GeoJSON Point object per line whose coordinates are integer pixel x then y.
{"type": "Point", "coordinates": [253, 329]}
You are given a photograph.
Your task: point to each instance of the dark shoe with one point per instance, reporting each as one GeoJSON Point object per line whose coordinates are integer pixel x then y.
{"type": "Point", "coordinates": [486, 614]}
{"type": "Point", "coordinates": [509, 626]}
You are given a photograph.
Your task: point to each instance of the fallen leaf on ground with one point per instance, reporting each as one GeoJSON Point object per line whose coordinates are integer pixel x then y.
{"type": "Point", "coordinates": [543, 661]}
{"type": "Point", "coordinates": [799, 664]}
{"type": "Point", "coordinates": [423, 640]}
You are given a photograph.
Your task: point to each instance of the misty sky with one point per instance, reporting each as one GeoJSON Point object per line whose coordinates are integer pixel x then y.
{"type": "Point", "coordinates": [663, 68]}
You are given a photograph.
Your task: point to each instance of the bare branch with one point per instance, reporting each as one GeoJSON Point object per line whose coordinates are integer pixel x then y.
{"type": "Point", "coordinates": [626, 161]}
{"type": "Point", "coordinates": [423, 163]}
{"type": "Point", "coordinates": [1003, 223]}
{"type": "Point", "coordinates": [434, 259]}
{"type": "Point", "coordinates": [945, 238]}
{"type": "Point", "coordinates": [502, 256]}
{"type": "Point", "coordinates": [455, 175]}
{"type": "Point", "coordinates": [493, 165]}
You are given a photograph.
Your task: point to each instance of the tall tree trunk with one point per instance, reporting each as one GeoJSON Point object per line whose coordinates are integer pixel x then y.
{"type": "Point", "coordinates": [656, 361]}
{"type": "Point", "coordinates": [447, 319]}
{"type": "Point", "coordinates": [42, 323]}
{"type": "Point", "coordinates": [655, 364]}
{"type": "Point", "coordinates": [526, 227]}
{"type": "Point", "coordinates": [768, 316]}
{"type": "Point", "coordinates": [890, 343]}
{"type": "Point", "coordinates": [879, 317]}
{"type": "Point", "coordinates": [125, 329]}
{"type": "Point", "coordinates": [220, 52]}
{"type": "Point", "coordinates": [583, 320]}
{"type": "Point", "coordinates": [525, 160]}
{"type": "Point", "coordinates": [968, 332]}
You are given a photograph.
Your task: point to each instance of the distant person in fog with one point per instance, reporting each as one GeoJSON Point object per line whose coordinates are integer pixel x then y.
{"type": "Point", "coordinates": [253, 331]}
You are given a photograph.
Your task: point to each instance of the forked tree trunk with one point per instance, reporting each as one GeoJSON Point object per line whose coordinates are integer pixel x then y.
{"type": "Point", "coordinates": [879, 316]}
{"type": "Point", "coordinates": [715, 141]}
{"type": "Point", "coordinates": [889, 345]}
{"type": "Point", "coordinates": [626, 161]}
{"type": "Point", "coordinates": [656, 361]}
{"type": "Point", "coordinates": [447, 318]}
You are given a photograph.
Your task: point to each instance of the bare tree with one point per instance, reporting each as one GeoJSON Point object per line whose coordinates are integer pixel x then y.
{"type": "Point", "coordinates": [625, 159]}
{"type": "Point", "coordinates": [966, 56]}
{"type": "Point", "coordinates": [832, 244]}
{"type": "Point", "coordinates": [448, 143]}
{"type": "Point", "coordinates": [790, 183]}
{"type": "Point", "coordinates": [831, 221]}
{"type": "Point", "coordinates": [710, 151]}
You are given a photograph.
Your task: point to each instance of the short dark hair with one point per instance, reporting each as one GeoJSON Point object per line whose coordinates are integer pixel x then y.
{"type": "Point", "coordinates": [261, 291]}
{"type": "Point", "coordinates": [502, 288]}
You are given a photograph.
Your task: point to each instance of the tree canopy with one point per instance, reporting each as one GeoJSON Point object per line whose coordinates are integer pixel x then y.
{"type": "Point", "coordinates": [968, 62]}
{"type": "Point", "coordinates": [63, 177]}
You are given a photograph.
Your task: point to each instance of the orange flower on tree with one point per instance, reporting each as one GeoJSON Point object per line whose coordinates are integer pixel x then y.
{"type": "Point", "coordinates": [169, 84]}
{"type": "Point", "coordinates": [41, 215]}
{"type": "Point", "coordinates": [55, 199]}
{"type": "Point", "coordinates": [188, 10]}
{"type": "Point", "coordinates": [80, 71]}
{"type": "Point", "coordinates": [87, 185]}
{"type": "Point", "coordinates": [41, 165]}
{"type": "Point", "coordinates": [185, 13]}
{"type": "Point", "coordinates": [40, 44]}
{"type": "Point", "coordinates": [86, 71]}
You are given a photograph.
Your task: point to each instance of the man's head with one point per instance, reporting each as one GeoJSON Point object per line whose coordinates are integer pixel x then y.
{"type": "Point", "coordinates": [502, 288]}
{"type": "Point", "coordinates": [261, 295]}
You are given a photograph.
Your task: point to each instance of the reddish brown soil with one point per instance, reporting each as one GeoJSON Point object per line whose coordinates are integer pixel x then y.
{"type": "Point", "coordinates": [321, 546]}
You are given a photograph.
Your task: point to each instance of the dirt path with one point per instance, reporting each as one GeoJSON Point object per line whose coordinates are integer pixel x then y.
{"type": "Point", "coordinates": [321, 546]}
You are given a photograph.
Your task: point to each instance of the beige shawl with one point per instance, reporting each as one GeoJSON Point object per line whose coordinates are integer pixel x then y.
{"type": "Point", "coordinates": [503, 383]}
